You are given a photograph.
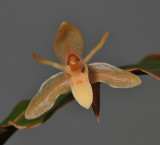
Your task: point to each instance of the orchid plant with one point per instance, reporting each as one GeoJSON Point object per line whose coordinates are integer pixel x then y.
{"type": "Point", "coordinates": [78, 79]}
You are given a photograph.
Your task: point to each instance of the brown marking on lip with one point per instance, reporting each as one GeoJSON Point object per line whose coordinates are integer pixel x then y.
{"type": "Point", "coordinates": [79, 82]}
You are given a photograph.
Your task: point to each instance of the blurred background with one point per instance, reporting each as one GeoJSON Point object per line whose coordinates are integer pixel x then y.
{"type": "Point", "coordinates": [128, 116]}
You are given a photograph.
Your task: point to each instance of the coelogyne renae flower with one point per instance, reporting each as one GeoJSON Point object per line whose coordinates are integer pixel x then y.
{"type": "Point", "coordinates": [77, 75]}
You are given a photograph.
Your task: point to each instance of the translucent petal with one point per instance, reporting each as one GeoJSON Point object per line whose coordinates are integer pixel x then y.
{"type": "Point", "coordinates": [50, 90]}
{"type": "Point", "coordinates": [68, 40]}
{"type": "Point", "coordinates": [112, 76]}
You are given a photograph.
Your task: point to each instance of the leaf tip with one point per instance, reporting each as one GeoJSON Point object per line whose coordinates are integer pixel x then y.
{"type": "Point", "coordinates": [97, 116]}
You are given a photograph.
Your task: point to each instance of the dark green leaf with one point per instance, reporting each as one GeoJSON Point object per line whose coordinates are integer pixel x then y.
{"type": "Point", "coordinates": [149, 65]}
{"type": "Point", "coordinates": [17, 119]}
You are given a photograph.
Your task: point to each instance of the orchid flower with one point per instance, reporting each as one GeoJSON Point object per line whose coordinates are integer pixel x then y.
{"type": "Point", "coordinates": [77, 75]}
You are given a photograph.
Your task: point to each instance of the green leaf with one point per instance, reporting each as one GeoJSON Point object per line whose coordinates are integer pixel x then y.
{"type": "Point", "coordinates": [149, 65]}
{"type": "Point", "coordinates": [17, 119]}
{"type": "Point", "coordinates": [21, 107]}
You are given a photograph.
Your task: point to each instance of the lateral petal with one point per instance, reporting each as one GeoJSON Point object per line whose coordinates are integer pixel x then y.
{"type": "Point", "coordinates": [45, 98]}
{"type": "Point", "coordinates": [112, 76]}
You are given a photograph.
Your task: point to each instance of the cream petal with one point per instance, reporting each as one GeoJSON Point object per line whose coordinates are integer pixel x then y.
{"type": "Point", "coordinates": [45, 98]}
{"type": "Point", "coordinates": [112, 76]}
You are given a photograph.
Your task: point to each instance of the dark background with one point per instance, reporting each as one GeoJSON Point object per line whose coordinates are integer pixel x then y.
{"type": "Point", "coordinates": [128, 116]}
